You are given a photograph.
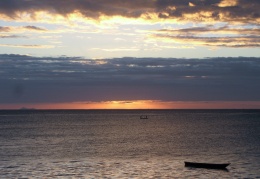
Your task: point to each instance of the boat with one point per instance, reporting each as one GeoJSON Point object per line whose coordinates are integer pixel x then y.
{"type": "Point", "coordinates": [207, 165]}
{"type": "Point", "coordinates": [143, 117]}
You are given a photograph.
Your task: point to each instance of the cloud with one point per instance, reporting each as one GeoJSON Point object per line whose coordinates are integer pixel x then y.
{"type": "Point", "coordinates": [29, 27]}
{"type": "Point", "coordinates": [228, 3]}
{"type": "Point", "coordinates": [210, 35]}
{"type": "Point", "coordinates": [68, 79]}
{"type": "Point", "coordinates": [116, 49]}
{"type": "Point", "coordinates": [26, 46]}
{"type": "Point", "coordinates": [214, 30]}
{"type": "Point", "coordinates": [185, 10]}
{"type": "Point", "coordinates": [11, 36]}
{"type": "Point", "coordinates": [235, 42]}
{"type": "Point", "coordinates": [4, 29]}
{"type": "Point", "coordinates": [234, 23]}
{"type": "Point", "coordinates": [7, 33]}
{"type": "Point", "coordinates": [21, 29]}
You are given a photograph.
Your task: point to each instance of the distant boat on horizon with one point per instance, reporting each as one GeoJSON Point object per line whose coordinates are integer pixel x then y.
{"type": "Point", "coordinates": [207, 165]}
{"type": "Point", "coordinates": [143, 117]}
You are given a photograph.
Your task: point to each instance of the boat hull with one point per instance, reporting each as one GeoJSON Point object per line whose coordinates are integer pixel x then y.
{"type": "Point", "coordinates": [206, 165]}
{"type": "Point", "coordinates": [143, 117]}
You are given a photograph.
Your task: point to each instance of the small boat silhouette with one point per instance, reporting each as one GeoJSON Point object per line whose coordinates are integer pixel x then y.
{"type": "Point", "coordinates": [207, 165]}
{"type": "Point", "coordinates": [143, 117]}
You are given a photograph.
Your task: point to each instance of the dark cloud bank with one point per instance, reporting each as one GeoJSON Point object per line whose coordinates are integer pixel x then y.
{"type": "Point", "coordinates": [240, 10]}
{"type": "Point", "coordinates": [26, 79]}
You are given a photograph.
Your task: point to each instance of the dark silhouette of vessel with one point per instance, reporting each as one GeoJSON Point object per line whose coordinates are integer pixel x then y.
{"type": "Point", "coordinates": [207, 165]}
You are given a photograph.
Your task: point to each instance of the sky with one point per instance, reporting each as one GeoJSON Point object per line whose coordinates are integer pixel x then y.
{"type": "Point", "coordinates": [131, 54]}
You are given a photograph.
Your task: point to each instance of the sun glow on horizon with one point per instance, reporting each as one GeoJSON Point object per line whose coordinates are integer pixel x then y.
{"type": "Point", "coordinates": [140, 104]}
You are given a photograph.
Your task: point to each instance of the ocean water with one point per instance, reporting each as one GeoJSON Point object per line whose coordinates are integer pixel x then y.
{"type": "Point", "coordinates": [118, 144]}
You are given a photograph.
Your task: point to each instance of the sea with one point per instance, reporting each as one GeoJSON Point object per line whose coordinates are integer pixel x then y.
{"type": "Point", "coordinates": [119, 144]}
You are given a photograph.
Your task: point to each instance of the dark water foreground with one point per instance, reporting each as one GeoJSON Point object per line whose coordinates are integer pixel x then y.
{"type": "Point", "coordinates": [118, 144]}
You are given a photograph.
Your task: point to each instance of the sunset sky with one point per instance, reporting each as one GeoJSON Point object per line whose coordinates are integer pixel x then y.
{"type": "Point", "coordinates": [133, 54]}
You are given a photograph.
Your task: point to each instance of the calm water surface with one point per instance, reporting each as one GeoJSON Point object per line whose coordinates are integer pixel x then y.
{"type": "Point", "coordinates": [118, 144]}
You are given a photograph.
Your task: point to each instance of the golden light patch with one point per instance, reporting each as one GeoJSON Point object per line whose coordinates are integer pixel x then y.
{"type": "Point", "coordinates": [227, 3]}
{"type": "Point", "coordinates": [76, 18]}
{"type": "Point", "coordinates": [141, 104]}
{"type": "Point", "coordinates": [191, 4]}
{"type": "Point", "coordinates": [146, 18]}
{"type": "Point", "coordinates": [50, 18]}
{"type": "Point", "coordinates": [131, 104]}
{"type": "Point", "coordinates": [165, 14]}
{"type": "Point", "coordinates": [205, 16]}
{"type": "Point", "coordinates": [171, 8]}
